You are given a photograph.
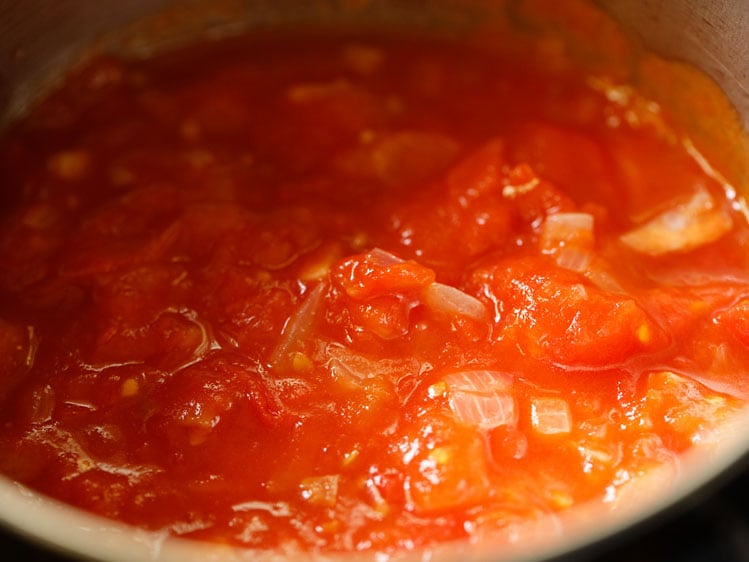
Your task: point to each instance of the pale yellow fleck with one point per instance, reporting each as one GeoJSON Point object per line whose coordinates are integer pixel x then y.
{"type": "Point", "coordinates": [40, 217]}
{"type": "Point", "coordinates": [129, 388]}
{"type": "Point", "coordinates": [300, 362]}
{"type": "Point", "coordinates": [315, 91]}
{"type": "Point", "coordinates": [198, 436]}
{"type": "Point", "coordinates": [320, 490]}
{"type": "Point", "coordinates": [366, 136]}
{"type": "Point", "coordinates": [561, 499]}
{"type": "Point", "coordinates": [645, 422]}
{"type": "Point", "coordinates": [437, 389]}
{"type": "Point", "coordinates": [698, 307]}
{"type": "Point", "coordinates": [363, 59]}
{"type": "Point", "coordinates": [120, 176]}
{"type": "Point", "coordinates": [177, 281]}
{"type": "Point", "coordinates": [382, 507]}
{"type": "Point", "coordinates": [315, 271]}
{"type": "Point", "coordinates": [70, 165]}
{"type": "Point", "coordinates": [189, 130]}
{"type": "Point", "coordinates": [359, 241]}
{"type": "Point", "coordinates": [318, 264]}
{"type": "Point", "coordinates": [378, 502]}
{"type": "Point", "coordinates": [200, 159]}
{"type": "Point", "coordinates": [394, 104]}
{"type": "Point", "coordinates": [263, 276]}
{"type": "Point", "coordinates": [329, 527]}
{"type": "Point", "coordinates": [350, 457]}
{"type": "Point", "coordinates": [440, 455]}
{"type": "Point", "coordinates": [644, 334]}
{"type": "Point", "coordinates": [513, 191]}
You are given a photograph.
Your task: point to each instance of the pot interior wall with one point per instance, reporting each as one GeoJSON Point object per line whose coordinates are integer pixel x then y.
{"type": "Point", "coordinates": [39, 39]}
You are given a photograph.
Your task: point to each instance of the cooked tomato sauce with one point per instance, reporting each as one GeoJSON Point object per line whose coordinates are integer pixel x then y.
{"type": "Point", "coordinates": [359, 293]}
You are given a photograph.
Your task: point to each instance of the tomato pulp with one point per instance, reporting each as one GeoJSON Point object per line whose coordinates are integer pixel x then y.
{"type": "Point", "coordinates": [359, 293]}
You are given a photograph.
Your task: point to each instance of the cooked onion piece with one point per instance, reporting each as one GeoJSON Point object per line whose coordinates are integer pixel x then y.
{"type": "Point", "coordinates": [689, 225]}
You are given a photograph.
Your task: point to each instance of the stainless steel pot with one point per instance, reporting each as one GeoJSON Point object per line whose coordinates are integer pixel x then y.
{"type": "Point", "coordinates": [40, 38]}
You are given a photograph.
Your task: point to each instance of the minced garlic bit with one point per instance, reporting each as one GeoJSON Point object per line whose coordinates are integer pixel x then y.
{"type": "Point", "coordinates": [522, 179]}
{"type": "Point", "coordinates": [33, 346]}
{"type": "Point", "coordinates": [314, 91]}
{"type": "Point", "coordinates": [189, 130]}
{"type": "Point", "coordinates": [644, 333]}
{"type": "Point", "coordinates": [561, 499]}
{"type": "Point", "coordinates": [367, 136]}
{"type": "Point", "coordinates": [440, 455]}
{"type": "Point", "coordinates": [70, 165]}
{"type": "Point", "coordinates": [320, 490]}
{"type": "Point", "coordinates": [300, 362]}
{"type": "Point", "coordinates": [328, 527]}
{"type": "Point", "coordinates": [129, 388]}
{"type": "Point", "coordinates": [121, 176]}
{"type": "Point", "coordinates": [350, 457]}
{"type": "Point", "coordinates": [363, 59]}
{"type": "Point", "coordinates": [616, 93]}
{"type": "Point", "coordinates": [359, 241]}
{"type": "Point", "coordinates": [437, 389]}
{"type": "Point", "coordinates": [318, 264]}
{"type": "Point", "coordinates": [41, 217]}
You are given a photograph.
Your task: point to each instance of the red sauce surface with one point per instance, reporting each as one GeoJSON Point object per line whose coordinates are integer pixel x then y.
{"type": "Point", "coordinates": [358, 294]}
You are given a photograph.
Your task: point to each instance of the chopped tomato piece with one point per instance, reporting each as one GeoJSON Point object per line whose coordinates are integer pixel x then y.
{"type": "Point", "coordinates": [686, 412]}
{"type": "Point", "coordinates": [375, 274]}
{"type": "Point", "coordinates": [563, 156]}
{"type": "Point", "coordinates": [404, 158]}
{"type": "Point", "coordinates": [690, 224]}
{"type": "Point", "coordinates": [448, 471]}
{"type": "Point", "coordinates": [557, 315]}
{"type": "Point", "coordinates": [479, 173]}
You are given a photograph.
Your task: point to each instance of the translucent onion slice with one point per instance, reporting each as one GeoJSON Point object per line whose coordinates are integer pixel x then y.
{"type": "Point", "coordinates": [574, 258]}
{"type": "Point", "coordinates": [320, 490]}
{"type": "Point", "coordinates": [453, 301]}
{"type": "Point", "coordinates": [569, 238]}
{"type": "Point", "coordinates": [383, 258]}
{"type": "Point", "coordinates": [600, 274]}
{"type": "Point", "coordinates": [566, 229]}
{"type": "Point", "coordinates": [298, 326]}
{"type": "Point", "coordinates": [687, 226]}
{"type": "Point", "coordinates": [345, 363]}
{"type": "Point", "coordinates": [482, 398]}
{"type": "Point", "coordinates": [550, 416]}
{"type": "Point", "coordinates": [437, 295]}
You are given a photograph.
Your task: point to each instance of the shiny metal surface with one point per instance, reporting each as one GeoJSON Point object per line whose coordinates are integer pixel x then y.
{"type": "Point", "coordinates": [38, 37]}
{"type": "Point", "coordinates": [713, 36]}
